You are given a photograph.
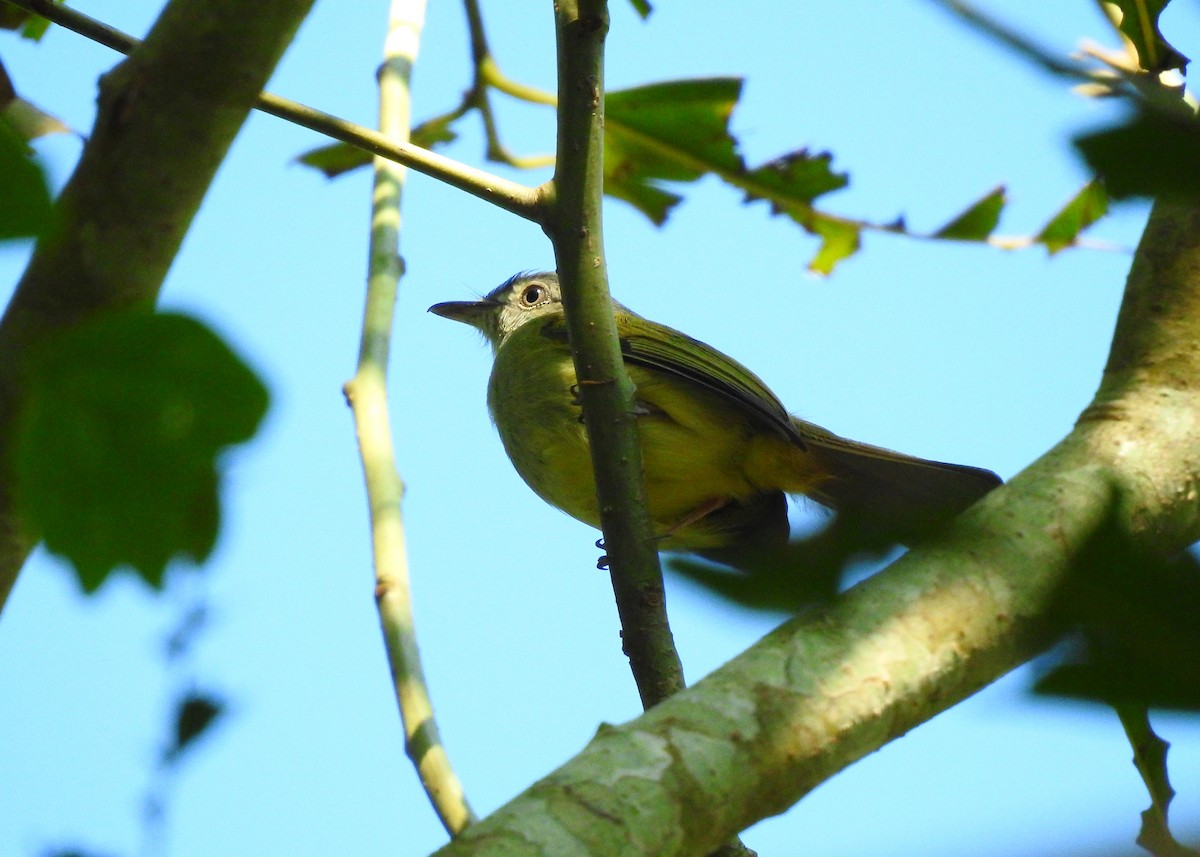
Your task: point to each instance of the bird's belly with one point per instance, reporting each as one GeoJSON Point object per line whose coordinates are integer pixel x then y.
{"type": "Point", "coordinates": [694, 445]}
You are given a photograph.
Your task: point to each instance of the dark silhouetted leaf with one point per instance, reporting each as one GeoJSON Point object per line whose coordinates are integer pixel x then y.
{"type": "Point", "coordinates": [642, 7]}
{"type": "Point", "coordinates": [116, 455]}
{"type": "Point", "coordinates": [1136, 641]}
{"type": "Point", "coordinates": [25, 206]}
{"type": "Point", "coordinates": [789, 578]}
{"type": "Point", "coordinates": [978, 221]}
{"type": "Point", "coordinates": [1150, 759]}
{"type": "Point", "coordinates": [194, 714]}
{"type": "Point", "coordinates": [1152, 154]}
{"type": "Point", "coordinates": [1084, 209]}
{"type": "Point", "coordinates": [1139, 23]}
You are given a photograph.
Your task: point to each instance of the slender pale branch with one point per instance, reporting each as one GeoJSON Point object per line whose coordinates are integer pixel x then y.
{"type": "Point", "coordinates": [367, 394]}
{"type": "Point", "coordinates": [510, 196]}
{"type": "Point", "coordinates": [163, 125]}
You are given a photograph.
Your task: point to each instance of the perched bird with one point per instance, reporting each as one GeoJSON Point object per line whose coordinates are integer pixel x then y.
{"type": "Point", "coordinates": [719, 450]}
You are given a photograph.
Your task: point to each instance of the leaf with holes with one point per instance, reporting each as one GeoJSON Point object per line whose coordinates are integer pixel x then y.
{"type": "Point", "coordinates": [1139, 24]}
{"type": "Point", "coordinates": [667, 132]}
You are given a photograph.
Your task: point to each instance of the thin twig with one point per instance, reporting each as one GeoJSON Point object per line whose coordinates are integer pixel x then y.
{"type": "Point", "coordinates": [367, 394]}
{"type": "Point", "coordinates": [487, 74]}
{"type": "Point", "coordinates": [512, 197]}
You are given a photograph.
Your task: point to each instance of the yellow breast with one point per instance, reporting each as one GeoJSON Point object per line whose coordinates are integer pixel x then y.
{"type": "Point", "coordinates": [696, 446]}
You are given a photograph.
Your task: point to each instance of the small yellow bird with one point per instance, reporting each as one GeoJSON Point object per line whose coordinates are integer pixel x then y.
{"type": "Point", "coordinates": [719, 450]}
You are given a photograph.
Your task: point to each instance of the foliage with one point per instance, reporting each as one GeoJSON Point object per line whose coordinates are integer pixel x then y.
{"type": "Point", "coordinates": [118, 465]}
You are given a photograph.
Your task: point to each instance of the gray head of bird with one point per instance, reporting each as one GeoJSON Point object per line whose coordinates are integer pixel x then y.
{"type": "Point", "coordinates": [516, 301]}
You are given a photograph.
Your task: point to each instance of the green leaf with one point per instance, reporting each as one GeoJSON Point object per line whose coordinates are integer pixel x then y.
{"type": "Point", "coordinates": [667, 132]}
{"type": "Point", "coordinates": [339, 158]}
{"type": "Point", "coordinates": [1139, 24]}
{"type": "Point", "coordinates": [1153, 153]}
{"type": "Point", "coordinates": [335, 159]}
{"type": "Point", "coordinates": [434, 133]}
{"type": "Point", "coordinates": [839, 240]}
{"type": "Point", "coordinates": [1084, 209]}
{"type": "Point", "coordinates": [978, 221]}
{"type": "Point", "coordinates": [32, 26]}
{"type": "Point", "coordinates": [642, 7]}
{"type": "Point", "coordinates": [25, 205]}
{"type": "Point", "coordinates": [117, 445]}
{"type": "Point", "coordinates": [792, 182]}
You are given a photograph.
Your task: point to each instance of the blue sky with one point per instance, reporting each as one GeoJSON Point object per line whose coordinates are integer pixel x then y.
{"type": "Point", "coordinates": [956, 352]}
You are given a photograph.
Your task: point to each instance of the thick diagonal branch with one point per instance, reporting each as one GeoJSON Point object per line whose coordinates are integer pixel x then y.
{"type": "Point", "coordinates": [829, 687]}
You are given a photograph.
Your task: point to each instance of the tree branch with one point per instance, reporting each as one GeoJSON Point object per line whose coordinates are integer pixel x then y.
{"type": "Point", "coordinates": [831, 686]}
{"type": "Point", "coordinates": [604, 387]}
{"type": "Point", "coordinates": [367, 394]}
{"type": "Point", "coordinates": [166, 117]}
{"type": "Point", "coordinates": [512, 197]}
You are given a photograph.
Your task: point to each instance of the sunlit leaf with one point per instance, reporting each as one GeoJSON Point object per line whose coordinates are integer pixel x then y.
{"type": "Point", "coordinates": [978, 221]}
{"type": "Point", "coordinates": [839, 240]}
{"type": "Point", "coordinates": [32, 26]}
{"type": "Point", "coordinates": [118, 443]}
{"type": "Point", "coordinates": [1139, 24]}
{"type": "Point", "coordinates": [1084, 209]}
{"type": "Point", "coordinates": [1152, 153]}
{"type": "Point", "coordinates": [667, 132]}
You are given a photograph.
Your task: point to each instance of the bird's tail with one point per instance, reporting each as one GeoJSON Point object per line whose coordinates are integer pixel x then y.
{"type": "Point", "coordinates": [891, 493]}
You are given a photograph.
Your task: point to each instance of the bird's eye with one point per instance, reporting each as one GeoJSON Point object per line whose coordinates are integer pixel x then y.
{"type": "Point", "coordinates": [532, 295]}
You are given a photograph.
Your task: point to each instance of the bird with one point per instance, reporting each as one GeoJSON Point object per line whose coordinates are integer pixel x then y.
{"type": "Point", "coordinates": [720, 452]}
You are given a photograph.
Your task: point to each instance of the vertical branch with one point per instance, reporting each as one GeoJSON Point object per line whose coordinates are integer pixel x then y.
{"type": "Point", "coordinates": [604, 387]}
{"type": "Point", "coordinates": [367, 394]}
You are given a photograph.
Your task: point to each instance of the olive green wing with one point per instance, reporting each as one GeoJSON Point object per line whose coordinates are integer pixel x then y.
{"type": "Point", "coordinates": [664, 349]}
{"type": "Point", "coordinates": [655, 346]}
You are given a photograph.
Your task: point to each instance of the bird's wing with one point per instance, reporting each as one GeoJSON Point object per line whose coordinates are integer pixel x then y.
{"type": "Point", "coordinates": [663, 349]}
{"type": "Point", "coordinates": [654, 346]}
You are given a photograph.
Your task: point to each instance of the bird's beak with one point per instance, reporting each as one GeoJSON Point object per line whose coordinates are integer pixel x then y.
{"type": "Point", "coordinates": [468, 312]}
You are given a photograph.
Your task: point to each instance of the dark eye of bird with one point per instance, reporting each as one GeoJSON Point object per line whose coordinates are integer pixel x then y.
{"type": "Point", "coordinates": [532, 295]}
